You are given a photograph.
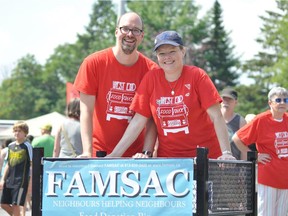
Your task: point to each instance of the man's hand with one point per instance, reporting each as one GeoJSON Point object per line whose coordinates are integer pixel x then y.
{"type": "Point", "coordinates": [85, 155]}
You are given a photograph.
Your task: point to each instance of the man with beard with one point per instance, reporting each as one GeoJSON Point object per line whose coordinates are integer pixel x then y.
{"type": "Point", "coordinates": [107, 81]}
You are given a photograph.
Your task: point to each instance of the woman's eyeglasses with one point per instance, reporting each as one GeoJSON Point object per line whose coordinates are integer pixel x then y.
{"type": "Point", "coordinates": [279, 100]}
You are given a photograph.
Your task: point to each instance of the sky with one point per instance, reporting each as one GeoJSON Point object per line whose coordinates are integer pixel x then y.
{"type": "Point", "coordinates": [37, 27]}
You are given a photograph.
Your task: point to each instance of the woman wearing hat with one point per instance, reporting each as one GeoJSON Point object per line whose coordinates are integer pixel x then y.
{"type": "Point", "coordinates": [184, 104]}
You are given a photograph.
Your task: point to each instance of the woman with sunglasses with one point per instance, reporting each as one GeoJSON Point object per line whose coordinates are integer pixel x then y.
{"type": "Point", "coordinates": [269, 130]}
{"type": "Point", "coordinates": [184, 104]}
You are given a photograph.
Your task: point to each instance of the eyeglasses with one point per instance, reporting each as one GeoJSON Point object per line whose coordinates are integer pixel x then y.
{"type": "Point", "coordinates": [279, 100]}
{"type": "Point", "coordinates": [126, 30]}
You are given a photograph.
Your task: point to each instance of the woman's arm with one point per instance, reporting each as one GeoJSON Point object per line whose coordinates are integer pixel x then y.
{"type": "Point", "coordinates": [87, 103]}
{"type": "Point", "coordinates": [241, 146]}
{"type": "Point", "coordinates": [150, 144]}
{"type": "Point", "coordinates": [56, 150]}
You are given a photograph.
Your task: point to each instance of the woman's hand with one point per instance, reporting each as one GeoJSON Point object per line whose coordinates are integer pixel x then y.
{"type": "Point", "coordinates": [264, 158]}
{"type": "Point", "coordinates": [140, 155]}
{"type": "Point", "coordinates": [226, 155]}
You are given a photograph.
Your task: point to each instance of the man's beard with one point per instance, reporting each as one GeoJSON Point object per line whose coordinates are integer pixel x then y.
{"type": "Point", "coordinates": [128, 49]}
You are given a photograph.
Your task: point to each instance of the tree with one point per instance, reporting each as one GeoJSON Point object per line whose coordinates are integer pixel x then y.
{"type": "Point", "coordinates": [252, 99]}
{"type": "Point", "coordinates": [269, 66]}
{"type": "Point", "coordinates": [67, 58]}
{"type": "Point", "coordinates": [181, 16]}
{"type": "Point", "coordinates": [275, 39]}
{"type": "Point", "coordinates": [35, 90]}
{"type": "Point", "coordinates": [220, 64]}
{"type": "Point", "coordinates": [27, 93]}
{"type": "Point", "coordinates": [62, 66]}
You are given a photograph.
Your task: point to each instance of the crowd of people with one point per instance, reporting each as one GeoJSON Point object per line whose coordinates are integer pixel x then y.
{"type": "Point", "coordinates": [184, 106]}
{"type": "Point", "coordinates": [16, 157]}
{"type": "Point", "coordinates": [134, 107]}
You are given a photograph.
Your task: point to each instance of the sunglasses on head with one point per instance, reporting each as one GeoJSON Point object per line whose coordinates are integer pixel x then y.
{"type": "Point", "coordinates": [279, 100]}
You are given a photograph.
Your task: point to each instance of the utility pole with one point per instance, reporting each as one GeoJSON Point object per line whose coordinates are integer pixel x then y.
{"type": "Point", "coordinates": [121, 8]}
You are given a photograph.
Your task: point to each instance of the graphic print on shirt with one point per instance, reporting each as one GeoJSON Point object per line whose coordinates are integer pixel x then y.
{"type": "Point", "coordinates": [173, 114]}
{"type": "Point", "coordinates": [119, 99]}
{"type": "Point", "coordinates": [17, 157]}
{"type": "Point", "coordinates": [281, 144]}
{"type": "Point", "coordinates": [188, 86]}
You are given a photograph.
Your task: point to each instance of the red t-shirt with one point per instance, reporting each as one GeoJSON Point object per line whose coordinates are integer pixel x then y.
{"type": "Point", "coordinates": [271, 137]}
{"type": "Point", "coordinates": [182, 121]}
{"type": "Point", "coordinates": [114, 86]}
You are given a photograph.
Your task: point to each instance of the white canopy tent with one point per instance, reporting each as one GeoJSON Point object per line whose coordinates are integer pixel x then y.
{"type": "Point", "coordinates": [54, 118]}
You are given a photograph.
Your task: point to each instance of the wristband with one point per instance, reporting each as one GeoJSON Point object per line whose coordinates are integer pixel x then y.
{"type": "Point", "coordinates": [149, 153]}
{"type": "Point", "coordinates": [227, 152]}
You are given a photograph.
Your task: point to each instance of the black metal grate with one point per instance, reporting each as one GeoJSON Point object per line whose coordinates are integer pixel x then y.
{"type": "Point", "coordinates": [230, 187]}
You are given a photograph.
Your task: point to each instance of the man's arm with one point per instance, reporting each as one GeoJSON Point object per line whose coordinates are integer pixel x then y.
{"type": "Point", "coordinates": [87, 103]}
{"type": "Point", "coordinates": [221, 130]}
{"type": "Point", "coordinates": [133, 130]}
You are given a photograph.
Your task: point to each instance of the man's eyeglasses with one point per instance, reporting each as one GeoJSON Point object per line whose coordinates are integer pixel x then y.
{"type": "Point", "coordinates": [279, 100]}
{"type": "Point", "coordinates": [126, 30]}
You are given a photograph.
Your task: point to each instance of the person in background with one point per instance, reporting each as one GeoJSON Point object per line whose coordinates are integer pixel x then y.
{"type": "Point", "coordinates": [46, 140]}
{"type": "Point", "coordinates": [30, 138]}
{"type": "Point", "coordinates": [28, 202]}
{"type": "Point", "coordinates": [233, 120]}
{"type": "Point", "coordinates": [184, 104]}
{"type": "Point", "coordinates": [269, 131]}
{"type": "Point", "coordinates": [68, 137]}
{"type": "Point", "coordinates": [248, 118]}
{"type": "Point", "coordinates": [4, 155]}
{"type": "Point", "coordinates": [107, 81]}
{"type": "Point", "coordinates": [15, 179]}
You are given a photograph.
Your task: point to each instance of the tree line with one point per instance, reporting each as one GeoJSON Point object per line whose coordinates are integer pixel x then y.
{"type": "Point", "coordinates": [33, 89]}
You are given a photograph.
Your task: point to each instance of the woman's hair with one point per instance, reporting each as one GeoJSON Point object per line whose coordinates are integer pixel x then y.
{"type": "Point", "coordinates": [279, 91]}
{"type": "Point", "coordinates": [21, 125]}
{"type": "Point", "coordinates": [73, 109]}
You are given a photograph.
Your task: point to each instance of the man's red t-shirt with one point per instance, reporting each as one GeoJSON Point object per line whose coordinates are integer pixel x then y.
{"type": "Point", "coordinates": [114, 86]}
